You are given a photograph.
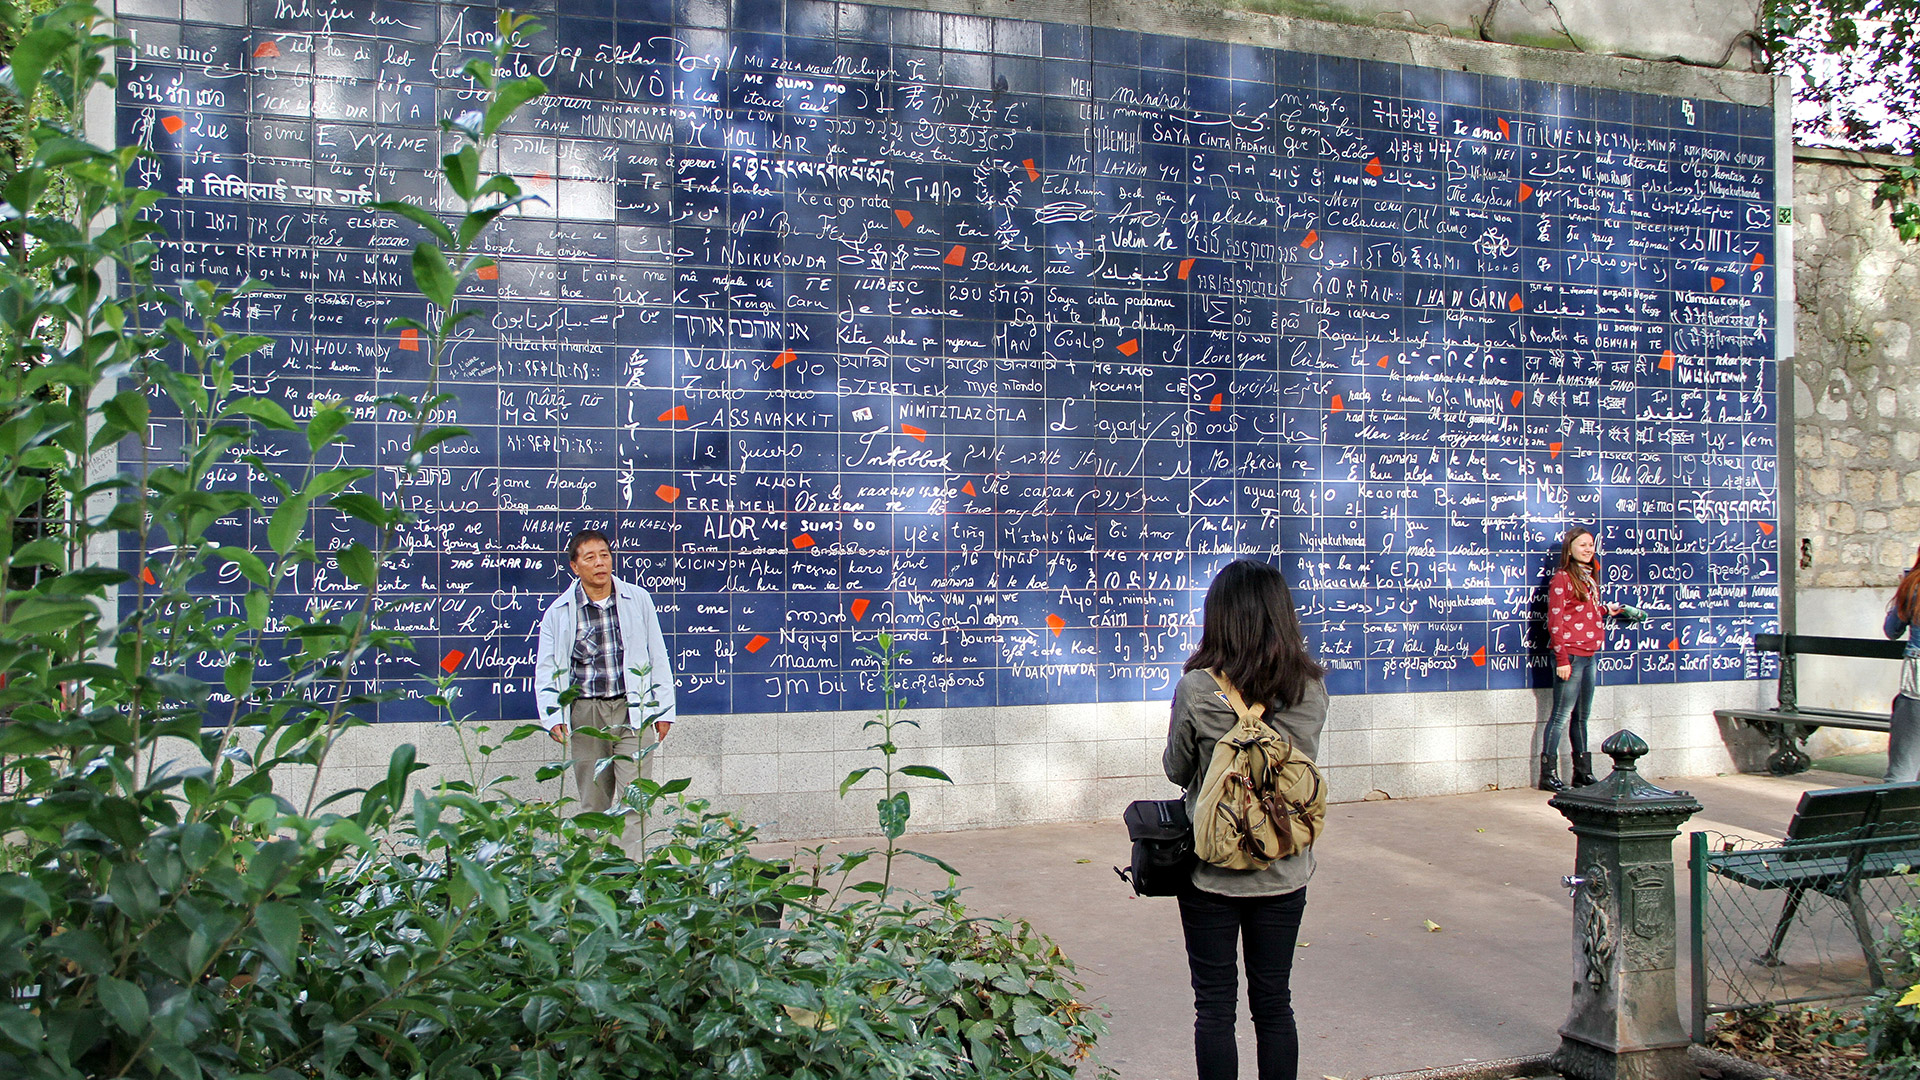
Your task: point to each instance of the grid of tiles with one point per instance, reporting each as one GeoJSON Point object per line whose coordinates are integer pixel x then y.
{"type": "Point", "coordinates": [1001, 337]}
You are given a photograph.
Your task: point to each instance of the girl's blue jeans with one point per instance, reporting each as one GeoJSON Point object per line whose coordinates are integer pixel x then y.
{"type": "Point", "coordinates": [1572, 703]}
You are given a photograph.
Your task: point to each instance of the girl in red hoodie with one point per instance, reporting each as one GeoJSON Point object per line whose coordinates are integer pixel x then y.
{"type": "Point", "coordinates": [1576, 624]}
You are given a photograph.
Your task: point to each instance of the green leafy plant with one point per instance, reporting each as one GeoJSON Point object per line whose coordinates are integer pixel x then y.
{"type": "Point", "coordinates": [162, 886]}
{"type": "Point", "coordinates": [1855, 66]}
{"type": "Point", "coordinates": [1000, 995]}
{"type": "Point", "coordinates": [895, 807]}
{"type": "Point", "coordinates": [1899, 192]}
{"type": "Point", "coordinates": [1889, 1025]}
{"type": "Point", "coordinates": [166, 909]}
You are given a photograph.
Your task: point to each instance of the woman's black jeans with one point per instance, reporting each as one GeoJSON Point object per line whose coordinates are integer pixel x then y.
{"type": "Point", "coordinates": [1266, 928]}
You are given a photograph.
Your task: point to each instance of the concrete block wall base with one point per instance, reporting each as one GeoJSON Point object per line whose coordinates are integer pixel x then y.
{"type": "Point", "coordinates": [1054, 763]}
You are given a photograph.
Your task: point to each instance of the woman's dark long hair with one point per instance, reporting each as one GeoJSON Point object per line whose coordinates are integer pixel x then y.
{"type": "Point", "coordinates": [1583, 579]}
{"type": "Point", "coordinates": [1252, 634]}
{"type": "Point", "coordinates": [1906, 597]}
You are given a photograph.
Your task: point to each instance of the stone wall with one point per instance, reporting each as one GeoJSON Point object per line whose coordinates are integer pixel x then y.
{"type": "Point", "coordinates": [1856, 402]}
{"type": "Point", "coordinates": [1856, 378]}
{"type": "Point", "coordinates": [1712, 33]}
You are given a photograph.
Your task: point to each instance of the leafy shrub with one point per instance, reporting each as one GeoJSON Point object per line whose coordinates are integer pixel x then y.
{"type": "Point", "coordinates": [584, 963]}
{"type": "Point", "coordinates": [166, 911]}
{"type": "Point", "coordinates": [1890, 1020]}
{"type": "Point", "coordinates": [1899, 192]}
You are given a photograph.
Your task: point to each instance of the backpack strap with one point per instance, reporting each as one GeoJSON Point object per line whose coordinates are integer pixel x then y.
{"type": "Point", "coordinates": [1253, 714]}
{"type": "Point", "coordinates": [1248, 714]}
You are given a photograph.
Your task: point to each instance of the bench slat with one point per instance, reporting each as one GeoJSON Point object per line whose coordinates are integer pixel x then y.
{"type": "Point", "coordinates": [1813, 718]}
{"type": "Point", "coordinates": [1816, 645]}
{"type": "Point", "coordinates": [1770, 871]}
{"type": "Point", "coordinates": [1868, 832]}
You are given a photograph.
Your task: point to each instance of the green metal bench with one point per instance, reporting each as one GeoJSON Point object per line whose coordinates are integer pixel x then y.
{"type": "Point", "coordinates": [1788, 724]}
{"type": "Point", "coordinates": [1837, 839]}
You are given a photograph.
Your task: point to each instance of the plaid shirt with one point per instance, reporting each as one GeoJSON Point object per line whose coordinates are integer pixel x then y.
{"type": "Point", "coordinates": [597, 654]}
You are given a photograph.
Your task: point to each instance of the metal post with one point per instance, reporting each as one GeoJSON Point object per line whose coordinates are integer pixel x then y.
{"type": "Point", "coordinates": [1789, 693]}
{"type": "Point", "coordinates": [1785, 367]}
{"type": "Point", "coordinates": [1625, 1020]}
{"type": "Point", "coordinates": [1697, 877]}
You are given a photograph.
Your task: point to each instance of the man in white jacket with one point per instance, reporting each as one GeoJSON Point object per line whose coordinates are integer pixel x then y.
{"type": "Point", "coordinates": [602, 638]}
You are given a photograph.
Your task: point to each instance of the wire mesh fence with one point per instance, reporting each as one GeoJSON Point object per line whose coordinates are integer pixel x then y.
{"type": "Point", "coordinates": [1778, 924]}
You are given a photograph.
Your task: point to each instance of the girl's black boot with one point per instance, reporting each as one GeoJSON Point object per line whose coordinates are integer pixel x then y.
{"type": "Point", "coordinates": [1550, 773]}
{"type": "Point", "coordinates": [1582, 770]}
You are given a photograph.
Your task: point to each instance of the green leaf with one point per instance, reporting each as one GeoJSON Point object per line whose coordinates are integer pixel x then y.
{"type": "Point", "coordinates": [46, 551]}
{"type": "Point", "coordinates": [941, 863]}
{"type": "Point", "coordinates": [277, 927]}
{"type": "Point", "coordinates": [57, 152]}
{"type": "Point", "coordinates": [541, 1012]}
{"type": "Point", "coordinates": [83, 947]}
{"type": "Point", "coordinates": [434, 437]}
{"type": "Point", "coordinates": [345, 829]}
{"type": "Point", "coordinates": [927, 772]}
{"type": "Point", "coordinates": [178, 1059]}
{"type": "Point", "coordinates": [199, 842]}
{"type": "Point", "coordinates": [485, 885]}
{"type": "Point", "coordinates": [125, 1003]}
{"type": "Point", "coordinates": [239, 676]}
{"type": "Point", "coordinates": [21, 1027]}
{"type": "Point", "coordinates": [29, 58]}
{"type": "Point", "coordinates": [84, 580]}
{"type": "Point", "coordinates": [361, 507]}
{"type": "Point", "coordinates": [402, 763]}
{"type": "Point", "coordinates": [256, 604]}
{"type": "Point", "coordinates": [462, 171]}
{"type": "Point", "coordinates": [132, 891]}
{"type": "Point", "coordinates": [419, 216]}
{"type": "Point", "coordinates": [432, 275]}
{"type": "Point", "coordinates": [261, 809]}
{"type": "Point", "coordinates": [854, 778]}
{"type": "Point", "coordinates": [599, 904]}
{"type": "Point", "coordinates": [334, 480]}
{"type": "Point", "coordinates": [894, 813]}
{"type": "Point", "coordinates": [38, 615]}
{"type": "Point", "coordinates": [507, 99]}
{"type": "Point", "coordinates": [356, 562]}
{"type": "Point", "coordinates": [127, 409]}
{"type": "Point", "coordinates": [338, 1039]}
{"type": "Point", "coordinates": [251, 567]}
{"type": "Point", "coordinates": [28, 892]}
{"type": "Point", "coordinates": [325, 425]}
{"type": "Point", "coordinates": [246, 345]}
{"type": "Point", "coordinates": [288, 521]}
{"type": "Point", "coordinates": [266, 411]}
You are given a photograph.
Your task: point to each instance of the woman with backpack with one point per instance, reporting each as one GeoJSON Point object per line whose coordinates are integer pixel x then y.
{"type": "Point", "coordinates": [1903, 740]}
{"type": "Point", "coordinates": [1251, 634]}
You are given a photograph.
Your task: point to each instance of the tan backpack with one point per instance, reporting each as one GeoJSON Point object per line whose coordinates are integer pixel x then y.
{"type": "Point", "coordinates": [1261, 799]}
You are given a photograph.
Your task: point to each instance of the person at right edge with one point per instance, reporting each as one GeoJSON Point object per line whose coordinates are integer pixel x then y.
{"type": "Point", "coordinates": [1903, 739]}
{"type": "Point", "coordinates": [1576, 626]}
{"type": "Point", "coordinates": [1251, 633]}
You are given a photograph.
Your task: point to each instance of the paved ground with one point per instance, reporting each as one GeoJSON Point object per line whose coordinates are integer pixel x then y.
{"type": "Point", "coordinates": [1375, 990]}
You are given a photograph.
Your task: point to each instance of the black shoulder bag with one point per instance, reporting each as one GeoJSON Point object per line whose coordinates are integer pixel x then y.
{"type": "Point", "coordinates": [1162, 847]}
